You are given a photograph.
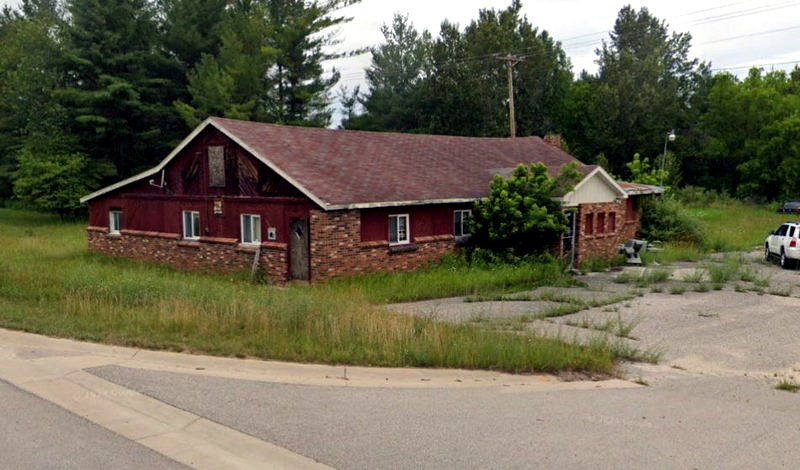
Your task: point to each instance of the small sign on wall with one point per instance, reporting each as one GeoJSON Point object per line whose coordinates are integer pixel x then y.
{"type": "Point", "coordinates": [272, 234]}
{"type": "Point", "coordinates": [217, 206]}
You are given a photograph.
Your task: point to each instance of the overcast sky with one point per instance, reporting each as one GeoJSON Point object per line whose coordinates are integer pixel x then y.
{"type": "Point", "coordinates": [728, 33]}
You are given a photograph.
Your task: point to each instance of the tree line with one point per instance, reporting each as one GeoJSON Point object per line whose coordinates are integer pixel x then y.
{"type": "Point", "coordinates": [738, 137]}
{"type": "Point", "coordinates": [94, 91]}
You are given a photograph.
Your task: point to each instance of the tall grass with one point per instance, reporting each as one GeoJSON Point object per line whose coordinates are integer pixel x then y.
{"type": "Point", "coordinates": [732, 225]}
{"type": "Point", "coordinates": [455, 277]}
{"type": "Point", "coordinates": [725, 225]}
{"type": "Point", "coordinates": [50, 284]}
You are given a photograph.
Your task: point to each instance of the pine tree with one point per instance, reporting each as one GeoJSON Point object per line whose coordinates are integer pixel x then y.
{"type": "Point", "coordinates": [644, 82]}
{"type": "Point", "coordinates": [119, 92]}
{"type": "Point", "coordinates": [301, 30]}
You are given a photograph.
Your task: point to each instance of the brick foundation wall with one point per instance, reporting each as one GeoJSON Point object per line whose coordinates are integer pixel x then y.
{"type": "Point", "coordinates": [208, 254]}
{"type": "Point", "coordinates": [595, 244]}
{"type": "Point", "coordinates": [337, 250]}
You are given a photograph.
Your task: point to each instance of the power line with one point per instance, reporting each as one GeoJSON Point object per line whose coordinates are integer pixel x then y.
{"type": "Point", "coordinates": [720, 69]}
{"type": "Point", "coordinates": [745, 13]}
{"type": "Point", "coordinates": [760, 33]}
{"type": "Point", "coordinates": [707, 20]}
{"type": "Point", "coordinates": [713, 8]}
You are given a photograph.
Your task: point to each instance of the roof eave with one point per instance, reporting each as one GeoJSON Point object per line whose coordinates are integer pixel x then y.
{"type": "Point", "coordinates": [387, 204]}
{"type": "Point", "coordinates": [151, 171]}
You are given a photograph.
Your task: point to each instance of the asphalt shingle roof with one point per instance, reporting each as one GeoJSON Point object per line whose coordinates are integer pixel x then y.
{"type": "Point", "coordinates": [347, 168]}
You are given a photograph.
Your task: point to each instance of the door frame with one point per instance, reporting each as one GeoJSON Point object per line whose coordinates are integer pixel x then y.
{"type": "Point", "coordinates": [307, 248]}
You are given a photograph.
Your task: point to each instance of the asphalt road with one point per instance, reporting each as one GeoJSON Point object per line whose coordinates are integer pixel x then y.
{"type": "Point", "coordinates": [35, 434]}
{"type": "Point", "coordinates": [711, 403]}
{"type": "Point", "coordinates": [685, 421]}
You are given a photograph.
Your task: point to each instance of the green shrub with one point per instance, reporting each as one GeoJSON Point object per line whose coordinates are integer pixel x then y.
{"type": "Point", "coordinates": [521, 217]}
{"type": "Point", "coordinates": [665, 219]}
{"type": "Point", "coordinates": [696, 196]}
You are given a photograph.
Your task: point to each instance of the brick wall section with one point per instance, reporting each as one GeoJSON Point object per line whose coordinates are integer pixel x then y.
{"type": "Point", "coordinates": [337, 250]}
{"type": "Point", "coordinates": [597, 244]}
{"type": "Point", "coordinates": [208, 254]}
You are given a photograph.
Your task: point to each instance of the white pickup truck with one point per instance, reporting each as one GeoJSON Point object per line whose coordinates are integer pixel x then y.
{"type": "Point", "coordinates": [783, 244]}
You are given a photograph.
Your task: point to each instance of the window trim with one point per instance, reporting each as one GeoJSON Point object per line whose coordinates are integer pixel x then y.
{"type": "Point", "coordinates": [407, 240]}
{"type": "Point", "coordinates": [463, 233]}
{"type": "Point", "coordinates": [195, 225]}
{"type": "Point", "coordinates": [253, 225]}
{"type": "Point", "coordinates": [114, 228]}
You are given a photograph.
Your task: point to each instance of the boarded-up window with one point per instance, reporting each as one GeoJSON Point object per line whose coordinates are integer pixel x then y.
{"type": "Point", "coordinates": [612, 222]}
{"type": "Point", "coordinates": [601, 222]}
{"type": "Point", "coordinates": [216, 167]}
{"type": "Point", "coordinates": [630, 211]}
{"type": "Point", "coordinates": [588, 224]}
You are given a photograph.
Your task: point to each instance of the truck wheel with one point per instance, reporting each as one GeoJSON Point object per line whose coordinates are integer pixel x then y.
{"type": "Point", "coordinates": [786, 263]}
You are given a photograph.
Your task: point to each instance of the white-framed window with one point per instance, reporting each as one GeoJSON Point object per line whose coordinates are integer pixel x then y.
{"type": "Point", "coordinates": [251, 229]}
{"type": "Point", "coordinates": [460, 222]}
{"type": "Point", "coordinates": [399, 230]}
{"type": "Point", "coordinates": [114, 222]}
{"type": "Point", "coordinates": [191, 225]}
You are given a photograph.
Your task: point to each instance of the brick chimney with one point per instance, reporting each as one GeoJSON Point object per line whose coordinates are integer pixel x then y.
{"type": "Point", "coordinates": [553, 140]}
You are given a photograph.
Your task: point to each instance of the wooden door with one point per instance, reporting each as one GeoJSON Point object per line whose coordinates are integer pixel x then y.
{"type": "Point", "coordinates": [298, 254]}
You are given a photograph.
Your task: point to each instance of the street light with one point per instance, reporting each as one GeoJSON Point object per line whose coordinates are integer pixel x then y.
{"type": "Point", "coordinates": [669, 138]}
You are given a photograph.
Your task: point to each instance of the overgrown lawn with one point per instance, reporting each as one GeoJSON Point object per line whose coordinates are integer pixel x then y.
{"type": "Point", "coordinates": [51, 284]}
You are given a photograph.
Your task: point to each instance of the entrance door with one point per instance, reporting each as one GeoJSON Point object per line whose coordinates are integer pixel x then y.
{"type": "Point", "coordinates": [299, 250]}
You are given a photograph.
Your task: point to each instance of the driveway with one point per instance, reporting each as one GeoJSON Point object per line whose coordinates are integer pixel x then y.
{"type": "Point", "coordinates": [710, 403]}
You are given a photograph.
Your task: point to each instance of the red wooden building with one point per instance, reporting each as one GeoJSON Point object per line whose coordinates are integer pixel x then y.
{"type": "Point", "coordinates": [307, 203]}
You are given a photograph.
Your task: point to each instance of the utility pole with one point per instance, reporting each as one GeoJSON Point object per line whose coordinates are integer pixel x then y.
{"type": "Point", "coordinates": [511, 61]}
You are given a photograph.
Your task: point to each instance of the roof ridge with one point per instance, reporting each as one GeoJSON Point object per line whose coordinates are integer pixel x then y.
{"type": "Point", "coordinates": [218, 119]}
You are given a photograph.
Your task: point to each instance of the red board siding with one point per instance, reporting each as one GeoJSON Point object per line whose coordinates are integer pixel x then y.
{"type": "Point", "coordinates": [251, 188]}
{"type": "Point", "coordinates": [425, 221]}
{"type": "Point", "coordinates": [164, 214]}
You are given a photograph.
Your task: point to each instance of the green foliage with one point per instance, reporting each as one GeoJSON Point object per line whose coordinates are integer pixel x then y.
{"type": "Point", "coordinates": [420, 84]}
{"type": "Point", "coordinates": [28, 75]}
{"type": "Point", "coordinates": [665, 219]}
{"type": "Point", "coordinates": [268, 66]}
{"type": "Point", "coordinates": [50, 284]}
{"type": "Point", "coordinates": [642, 172]}
{"type": "Point", "coordinates": [521, 215]}
{"type": "Point", "coordinates": [53, 181]}
{"type": "Point", "coordinates": [752, 130]}
{"type": "Point", "coordinates": [120, 85]}
{"type": "Point", "coordinates": [236, 82]}
{"type": "Point", "coordinates": [191, 28]}
{"type": "Point", "coordinates": [644, 87]}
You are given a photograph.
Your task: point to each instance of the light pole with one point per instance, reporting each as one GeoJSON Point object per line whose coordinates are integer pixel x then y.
{"type": "Point", "coordinates": [669, 138]}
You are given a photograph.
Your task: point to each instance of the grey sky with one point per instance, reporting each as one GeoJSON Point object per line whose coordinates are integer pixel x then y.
{"type": "Point", "coordinates": [567, 19]}
{"type": "Point", "coordinates": [711, 23]}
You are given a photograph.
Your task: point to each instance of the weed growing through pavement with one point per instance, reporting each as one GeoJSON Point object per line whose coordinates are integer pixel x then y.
{"type": "Point", "coordinates": [615, 326]}
{"type": "Point", "coordinates": [788, 385]}
{"type": "Point", "coordinates": [677, 290]}
{"type": "Point", "coordinates": [708, 315]}
{"type": "Point", "coordinates": [748, 274]}
{"type": "Point", "coordinates": [786, 292]}
{"type": "Point", "coordinates": [696, 276]}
